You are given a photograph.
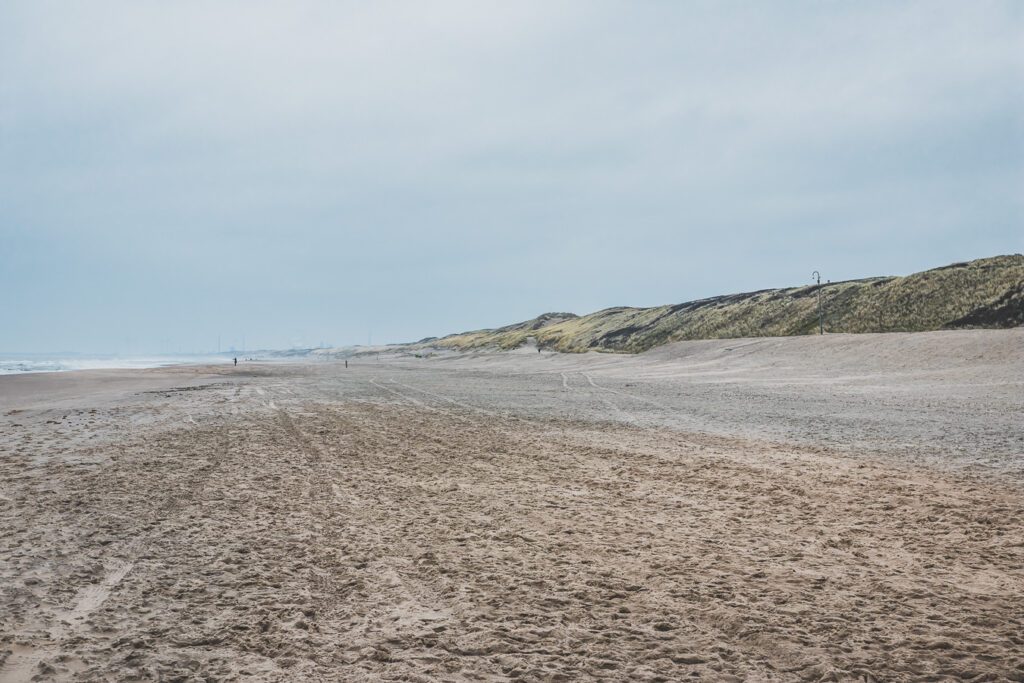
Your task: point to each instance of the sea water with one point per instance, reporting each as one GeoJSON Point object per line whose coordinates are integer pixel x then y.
{"type": "Point", "coordinates": [18, 363]}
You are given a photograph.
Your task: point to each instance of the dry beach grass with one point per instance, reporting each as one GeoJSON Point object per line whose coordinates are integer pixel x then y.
{"type": "Point", "coordinates": [985, 293]}
{"type": "Point", "coordinates": [846, 508]}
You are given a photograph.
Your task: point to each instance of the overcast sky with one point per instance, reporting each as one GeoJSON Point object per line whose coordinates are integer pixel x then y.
{"type": "Point", "coordinates": [298, 172]}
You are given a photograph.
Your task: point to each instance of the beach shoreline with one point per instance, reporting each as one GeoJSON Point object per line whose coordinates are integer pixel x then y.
{"type": "Point", "coordinates": [748, 509]}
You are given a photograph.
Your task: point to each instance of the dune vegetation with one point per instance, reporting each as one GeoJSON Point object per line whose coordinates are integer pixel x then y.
{"type": "Point", "coordinates": [986, 293]}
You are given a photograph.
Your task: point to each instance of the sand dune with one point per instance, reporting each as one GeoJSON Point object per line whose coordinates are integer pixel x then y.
{"type": "Point", "coordinates": [846, 508]}
{"type": "Point", "coordinates": [985, 293]}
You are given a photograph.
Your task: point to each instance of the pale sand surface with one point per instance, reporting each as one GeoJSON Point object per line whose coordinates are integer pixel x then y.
{"type": "Point", "coordinates": [846, 508]}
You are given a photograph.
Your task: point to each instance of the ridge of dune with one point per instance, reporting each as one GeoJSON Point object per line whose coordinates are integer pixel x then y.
{"type": "Point", "coordinates": [984, 293]}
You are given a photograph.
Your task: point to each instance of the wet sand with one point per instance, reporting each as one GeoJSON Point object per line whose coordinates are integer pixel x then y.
{"type": "Point", "coordinates": [847, 508]}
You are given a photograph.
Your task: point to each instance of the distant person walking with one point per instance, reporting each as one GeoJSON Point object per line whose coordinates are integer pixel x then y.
{"type": "Point", "coordinates": [346, 364]}
{"type": "Point", "coordinates": [236, 361]}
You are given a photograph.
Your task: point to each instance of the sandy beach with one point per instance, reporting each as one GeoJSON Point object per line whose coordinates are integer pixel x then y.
{"type": "Point", "coordinates": [837, 508]}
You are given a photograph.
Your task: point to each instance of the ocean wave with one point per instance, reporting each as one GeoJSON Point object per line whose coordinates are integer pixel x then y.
{"type": "Point", "coordinates": [14, 366]}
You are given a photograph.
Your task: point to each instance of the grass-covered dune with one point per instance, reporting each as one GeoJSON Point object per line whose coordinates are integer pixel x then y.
{"type": "Point", "coordinates": [983, 293]}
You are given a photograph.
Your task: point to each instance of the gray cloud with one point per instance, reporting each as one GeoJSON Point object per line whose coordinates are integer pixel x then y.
{"type": "Point", "coordinates": [171, 172]}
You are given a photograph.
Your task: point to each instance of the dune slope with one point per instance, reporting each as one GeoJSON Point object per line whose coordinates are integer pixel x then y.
{"type": "Point", "coordinates": [986, 293]}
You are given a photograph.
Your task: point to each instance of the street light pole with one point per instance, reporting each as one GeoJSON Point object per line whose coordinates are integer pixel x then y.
{"type": "Point", "coordinates": [821, 322]}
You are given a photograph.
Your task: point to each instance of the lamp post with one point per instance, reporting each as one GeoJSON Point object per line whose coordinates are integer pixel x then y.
{"type": "Point", "coordinates": [821, 322]}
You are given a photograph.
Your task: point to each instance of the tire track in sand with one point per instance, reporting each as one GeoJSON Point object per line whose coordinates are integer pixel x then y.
{"type": "Point", "coordinates": [689, 423]}
{"type": "Point", "coordinates": [408, 603]}
{"type": "Point", "coordinates": [418, 403]}
{"type": "Point", "coordinates": [489, 413]}
{"type": "Point", "coordinates": [627, 417]}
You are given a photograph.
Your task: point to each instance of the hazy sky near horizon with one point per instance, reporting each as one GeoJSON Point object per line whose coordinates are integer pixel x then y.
{"type": "Point", "coordinates": [305, 172]}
